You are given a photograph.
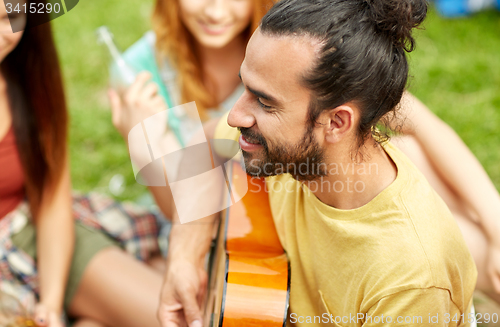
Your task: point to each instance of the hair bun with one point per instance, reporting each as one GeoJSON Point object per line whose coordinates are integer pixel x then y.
{"type": "Point", "coordinates": [398, 18]}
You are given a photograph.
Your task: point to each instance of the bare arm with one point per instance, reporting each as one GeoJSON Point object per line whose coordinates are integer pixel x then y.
{"type": "Point", "coordinates": [455, 163]}
{"type": "Point", "coordinates": [138, 103]}
{"type": "Point", "coordinates": [55, 242]}
{"type": "Point", "coordinates": [185, 278]}
{"type": "Point", "coordinates": [163, 198]}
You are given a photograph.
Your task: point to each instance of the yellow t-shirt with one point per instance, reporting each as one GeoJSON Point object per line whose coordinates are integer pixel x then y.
{"type": "Point", "coordinates": [399, 260]}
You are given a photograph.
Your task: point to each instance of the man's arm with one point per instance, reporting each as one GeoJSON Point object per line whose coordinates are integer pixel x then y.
{"type": "Point", "coordinates": [185, 278]}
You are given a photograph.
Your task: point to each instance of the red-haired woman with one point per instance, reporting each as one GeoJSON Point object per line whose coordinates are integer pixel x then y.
{"type": "Point", "coordinates": [45, 256]}
{"type": "Point", "coordinates": [197, 48]}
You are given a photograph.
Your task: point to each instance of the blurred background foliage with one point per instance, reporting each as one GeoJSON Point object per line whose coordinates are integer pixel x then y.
{"type": "Point", "coordinates": [455, 71]}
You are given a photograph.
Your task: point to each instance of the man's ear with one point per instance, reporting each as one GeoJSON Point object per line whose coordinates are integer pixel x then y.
{"type": "Point", "coordinates": [339, 123]}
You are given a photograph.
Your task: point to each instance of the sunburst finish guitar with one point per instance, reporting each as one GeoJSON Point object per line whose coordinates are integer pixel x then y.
{"type": "Point", "coordinates": [249, 278]}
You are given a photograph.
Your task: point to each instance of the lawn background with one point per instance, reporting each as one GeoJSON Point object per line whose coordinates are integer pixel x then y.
{"type": "Point", "coordinates": [455, 71]}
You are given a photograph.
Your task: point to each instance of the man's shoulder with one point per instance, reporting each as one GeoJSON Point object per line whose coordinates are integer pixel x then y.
{"type": "Point", "coordinates": [428, 215]}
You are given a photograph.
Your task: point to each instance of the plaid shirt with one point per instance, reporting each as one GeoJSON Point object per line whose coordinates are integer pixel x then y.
{"type": "Point", "coordinates": [135, 228]}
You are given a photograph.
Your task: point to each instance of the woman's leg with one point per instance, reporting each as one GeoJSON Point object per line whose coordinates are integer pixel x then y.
{"type": "Point", "coordinates": [475, 238]}
{"type": "Point", "coordinates": [118, 291]}
{"type": "Point", "coordinates": [87, 323]}
{"type": "Point", "coordinates": [478, 246]}
{"type": "Point", "coordinates": [158, 263]}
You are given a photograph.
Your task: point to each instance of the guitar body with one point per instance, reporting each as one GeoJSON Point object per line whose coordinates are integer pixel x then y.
{"type": "Point", "coordinates": [249, 279]}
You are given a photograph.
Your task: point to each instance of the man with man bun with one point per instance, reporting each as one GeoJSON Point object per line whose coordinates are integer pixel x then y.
{"type": "Point", "coordinates": [367, 237]}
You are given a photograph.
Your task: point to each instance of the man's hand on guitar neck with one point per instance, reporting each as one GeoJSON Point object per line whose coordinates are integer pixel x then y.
{"type": "Point", "coordinates": [182, 294]}
{"type": "Point", "coordinates": [185, 280]}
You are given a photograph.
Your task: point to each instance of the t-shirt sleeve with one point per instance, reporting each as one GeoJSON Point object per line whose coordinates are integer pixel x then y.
{"type": "Point", "coordinates": [416, 307]}
{"type": "Point", "coordinates": [225, 132]}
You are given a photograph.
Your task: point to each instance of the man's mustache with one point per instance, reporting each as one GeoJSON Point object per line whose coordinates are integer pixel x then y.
{"type": "Point", "coordinates": [253, 137]}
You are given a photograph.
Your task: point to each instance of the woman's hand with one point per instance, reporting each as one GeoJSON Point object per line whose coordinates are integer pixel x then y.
{"type": "Point", "coordinates": [493, 266]}
{"type": "Point", "coordinates": [140, 101]}
{"type": "Point", "coordinates": [46, 317]}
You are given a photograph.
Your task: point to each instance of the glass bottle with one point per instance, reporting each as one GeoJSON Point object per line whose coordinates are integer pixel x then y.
{"type": "Point", "coordinates": [122, 75]}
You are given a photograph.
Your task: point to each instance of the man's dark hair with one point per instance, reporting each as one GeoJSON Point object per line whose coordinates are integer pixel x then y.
{"type": "Point", "coordinates": [362, 58]}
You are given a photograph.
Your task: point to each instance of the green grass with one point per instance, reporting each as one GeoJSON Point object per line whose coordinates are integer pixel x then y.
{"type": "Point", "coordinates": [97, 151]}
{"type": "Point", "coordinates": [455, 69]}
{"type": "Point", "coordinates": [456, 72]}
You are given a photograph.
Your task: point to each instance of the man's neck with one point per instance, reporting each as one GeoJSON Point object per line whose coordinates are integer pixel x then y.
{"type": "Point", "coordinates": [350, 184]}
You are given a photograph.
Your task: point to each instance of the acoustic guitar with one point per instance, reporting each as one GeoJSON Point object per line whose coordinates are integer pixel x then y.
{"type": "Point", "coordinates": [249, 279]}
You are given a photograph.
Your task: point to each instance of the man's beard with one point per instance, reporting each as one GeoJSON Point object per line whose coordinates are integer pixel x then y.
{"type": "Point", "coordinates": [304, 160]}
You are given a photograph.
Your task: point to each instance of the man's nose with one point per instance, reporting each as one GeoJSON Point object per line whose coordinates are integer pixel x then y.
{"type": "Point", "coordinates": [241, 114]}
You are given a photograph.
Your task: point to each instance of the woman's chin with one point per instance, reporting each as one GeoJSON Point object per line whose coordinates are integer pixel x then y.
{"type": "Point", "coordinates": [218, 41]}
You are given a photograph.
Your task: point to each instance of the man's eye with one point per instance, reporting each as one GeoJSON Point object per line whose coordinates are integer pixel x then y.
{"type": "Point", "coordinates": [262, 105]}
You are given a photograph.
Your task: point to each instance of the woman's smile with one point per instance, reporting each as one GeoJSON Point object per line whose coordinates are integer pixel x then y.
{"type": "Point", "coordinates": [214, 29]}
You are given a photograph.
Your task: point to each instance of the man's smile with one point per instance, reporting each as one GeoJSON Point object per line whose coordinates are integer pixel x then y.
{"type": "Point", "coordinates": [249, 144]}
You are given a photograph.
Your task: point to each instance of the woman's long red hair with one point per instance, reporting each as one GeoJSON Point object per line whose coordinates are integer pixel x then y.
{"type": "Point", "coordinates": [175, 42]}
{"type": "Point", "coordinates": [38, 107]}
